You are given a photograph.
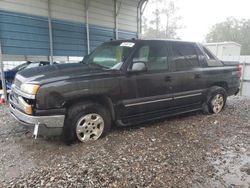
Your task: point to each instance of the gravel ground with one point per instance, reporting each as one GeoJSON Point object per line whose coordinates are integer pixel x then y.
{"type": "Point", "coordinates": [192, 150]}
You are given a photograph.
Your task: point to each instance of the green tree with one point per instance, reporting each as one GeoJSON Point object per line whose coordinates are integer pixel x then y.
{"type": "Point", "coordinates": [171, 19]}
{"type": "Point", "coordinates": [232, 30]}
{"type": "Point", "coordinates": [164, 21]}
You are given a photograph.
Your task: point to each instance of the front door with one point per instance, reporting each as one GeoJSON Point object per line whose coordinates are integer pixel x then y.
{"type": "Point", "coordinates": [149, 91]}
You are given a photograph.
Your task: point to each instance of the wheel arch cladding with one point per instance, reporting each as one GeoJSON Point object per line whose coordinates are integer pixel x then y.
{"type": "Point", "coordinates": [224, 85]}
{"type": "Point", "coordinates": [100, 99]}
{"type": "Point", "coordinates": [50, 100]}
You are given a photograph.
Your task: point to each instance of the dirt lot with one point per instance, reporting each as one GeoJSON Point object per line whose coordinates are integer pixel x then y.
{"type": "Point", "coordinates": [193, 150]}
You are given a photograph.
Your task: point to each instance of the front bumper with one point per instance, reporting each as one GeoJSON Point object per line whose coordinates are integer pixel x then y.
{"type": "Point", "coordinates": [48, 125]}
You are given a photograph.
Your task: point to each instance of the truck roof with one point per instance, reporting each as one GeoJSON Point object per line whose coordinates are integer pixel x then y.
{"type": "Point", "coordinates": [170, 40]}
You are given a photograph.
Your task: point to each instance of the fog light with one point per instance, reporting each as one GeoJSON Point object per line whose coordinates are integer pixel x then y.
{"type": "Point", "coordinates": [26, 107]}
{"type": "Point", "coordinates": [28, 110]}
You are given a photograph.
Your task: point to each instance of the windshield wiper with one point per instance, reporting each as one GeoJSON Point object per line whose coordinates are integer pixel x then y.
{"type": "Point", "coordinates": [83, 62]}
{"type": "Point", "coordinates": [97, 65]}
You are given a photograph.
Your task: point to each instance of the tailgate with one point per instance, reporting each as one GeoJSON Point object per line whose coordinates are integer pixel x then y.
{"type": "Point", "coordinates": [230, 63]}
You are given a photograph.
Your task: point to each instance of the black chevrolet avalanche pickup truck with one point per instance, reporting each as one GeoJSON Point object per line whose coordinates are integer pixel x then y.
{"type": "Point", "coordinates": [124, 83]}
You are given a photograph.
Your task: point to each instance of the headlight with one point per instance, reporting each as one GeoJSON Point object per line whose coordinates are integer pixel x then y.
{"type": "Point", "coordinates": [29, 88]}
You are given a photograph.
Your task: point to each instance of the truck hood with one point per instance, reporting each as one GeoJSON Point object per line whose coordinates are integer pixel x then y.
{"type": "Point", "coordinates": [53, 73]}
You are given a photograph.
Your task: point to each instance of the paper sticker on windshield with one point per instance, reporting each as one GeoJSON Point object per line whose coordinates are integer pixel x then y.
{"type": "Point", "coordinates": [127, 44]}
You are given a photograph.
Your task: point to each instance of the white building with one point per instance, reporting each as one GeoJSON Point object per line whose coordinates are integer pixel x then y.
{"type": "Point", "coordinates": [221, 49]}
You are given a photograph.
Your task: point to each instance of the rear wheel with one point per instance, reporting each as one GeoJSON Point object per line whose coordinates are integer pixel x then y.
{"type": "Point", "coordinates": [217, 103]}
{"type": "Point", "coordinates": [86, 122]}
{"type": "Point", "coordinates": [216, 100]}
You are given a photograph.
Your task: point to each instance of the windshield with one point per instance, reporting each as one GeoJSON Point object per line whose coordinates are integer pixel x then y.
{"type": "Point", "coordinates": [110, 55]}
{"type": "Point", "coordinates": [32, 65]}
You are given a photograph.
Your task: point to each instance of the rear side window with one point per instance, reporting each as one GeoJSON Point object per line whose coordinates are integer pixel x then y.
{"type": "Point", "coordinates": [208, 55]}
{"type": "Point", "coordinates": [184, 56]}
{"type": "Point", "coordinates": [211, 60]}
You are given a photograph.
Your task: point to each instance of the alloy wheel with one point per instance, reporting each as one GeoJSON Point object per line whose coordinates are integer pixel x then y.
{"type": "Point", "coordinates": [89, 127]}
{"type": "Point", "coordinates": [217, 103]}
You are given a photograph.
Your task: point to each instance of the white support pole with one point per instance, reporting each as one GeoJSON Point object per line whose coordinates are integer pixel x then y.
{"type": "Point", "coordinates": [50, 35]}
{"type": "Point", "coordinates": [138, 21]}
{"type": "Point", "coordinates": [242, 78]}
{"type": "Point", "coordinates": [140, 11]}
{"type": "Point", "coordinates": [87, 24]}
{"type": "Point", "coordinates": [117, 10]}
{"type": "Point", "coordinates": [2, 73]}
{"type": "Point", "coordinates": [116, 20]}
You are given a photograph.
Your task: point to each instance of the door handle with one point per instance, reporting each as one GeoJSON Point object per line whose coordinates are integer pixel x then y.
{"type": "Point", "coordinates": [168, 79]}
{"type": "Point", "coordinates": [197, 76]}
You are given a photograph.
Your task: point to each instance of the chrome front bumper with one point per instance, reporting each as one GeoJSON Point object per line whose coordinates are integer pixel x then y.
{"type": "Point", "coordinates": [48, 125]}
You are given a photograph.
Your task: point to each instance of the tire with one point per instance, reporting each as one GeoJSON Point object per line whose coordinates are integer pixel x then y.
{"type": "Point", "coordinates": [215, 101]}
{"type": "Point", "coordinates": [85, 122]}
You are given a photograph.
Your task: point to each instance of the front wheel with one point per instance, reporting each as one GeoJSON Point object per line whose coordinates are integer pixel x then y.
{"type": "Point", "coordinates": [89, 127]}
{"type": "Point", "coordinates": [86, 122]}
{"type": "Point", "coordinates": [216, 101]}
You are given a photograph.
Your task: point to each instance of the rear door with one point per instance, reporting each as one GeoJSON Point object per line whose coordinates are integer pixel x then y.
{"type": "Point", "coordinates": [186, 79]}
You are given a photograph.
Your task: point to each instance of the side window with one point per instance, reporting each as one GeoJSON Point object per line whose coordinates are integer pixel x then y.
{"type": "Point", "coordinates": [184, 56]}
{"type": "Point", "coordinates": [154, 55]}
{"type": "Point", "coordinates": [208, 54]}
{"type": "Point", "coordinates": [211, 60]}
{"type": "Point", "coordinates": [142, 54]}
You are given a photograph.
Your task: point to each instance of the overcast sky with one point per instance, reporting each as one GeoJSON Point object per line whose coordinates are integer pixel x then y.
{"type": "Point", "coordinates": [200, 15]}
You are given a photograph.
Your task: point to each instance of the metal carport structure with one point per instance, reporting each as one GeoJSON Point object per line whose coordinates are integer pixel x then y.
{"type": "Point", "coordinates": [39, 29]}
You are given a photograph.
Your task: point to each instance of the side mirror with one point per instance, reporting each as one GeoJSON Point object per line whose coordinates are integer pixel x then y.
{"type": "Point", "coordinates": [138, 67]}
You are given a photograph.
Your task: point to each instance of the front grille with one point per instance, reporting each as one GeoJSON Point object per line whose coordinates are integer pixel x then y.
{"type": "Point", "coordinates": [17, 83]}
{"type": "Point", "coordinates": [14, 100]}
{"type": "Point", "coordinates": [15, 97]}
